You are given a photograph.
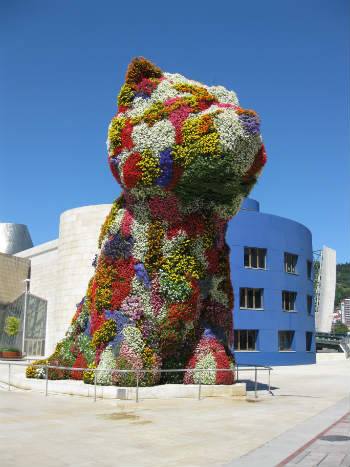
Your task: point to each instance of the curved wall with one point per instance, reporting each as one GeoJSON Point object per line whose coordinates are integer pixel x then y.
{"type": "Point", "coordinates": [77, 246]}
{"type": "Point", "coordinates": [278, 235]}
{"type": "Point", "coordinates": [14, 238]}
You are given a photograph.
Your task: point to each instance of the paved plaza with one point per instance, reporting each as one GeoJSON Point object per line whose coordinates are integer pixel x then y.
{"type": "Point", "coordinates": [302, 423]}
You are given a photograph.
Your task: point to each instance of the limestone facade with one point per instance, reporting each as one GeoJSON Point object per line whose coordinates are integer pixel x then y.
{"type": "Point", "coordinates": [13, 272]}
{"type": "Point", "coordinates": [61, 269]}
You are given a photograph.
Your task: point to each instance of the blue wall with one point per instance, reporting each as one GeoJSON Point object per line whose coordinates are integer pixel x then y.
{"type": "Point", "coordinates": [278, 235]}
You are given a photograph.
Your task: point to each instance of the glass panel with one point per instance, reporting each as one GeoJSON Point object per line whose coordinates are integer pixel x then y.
{"type": "Point", "coordinates": [309, 268]}
{"type": "Point", "coordinates": [246, 257]}
{"type": "Point", "coordinates": [309, 304]}
{"type": "Point", "coordinates": [289, 340]}
{"type": "Point", "coordinates": [236, 341]}
{"type": "Point", "coordinates": [35, 326]}
{"type": "Point", "coordinates": [243, 339]}
{"type": "Point", "coordinates": [252, 339]}
{"type": "Point", "coordinates": [250, 293]}
{"type": "Point", "coordinates": [262, 258]}
{"type": "Point", "coordinates": [308, 341]}
{"type": "Point", "coordinates": [258, 298]}
{"type": "Point", "coordinates": [254, 258]}
{"type": "Point", "coordinates": [281, 340]}
{"type": "Point", "coordinates": [292, 296]}
{"type": "Point", "coordinates": [242, 302]}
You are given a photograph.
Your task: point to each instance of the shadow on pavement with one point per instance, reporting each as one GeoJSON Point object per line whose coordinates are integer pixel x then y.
{"type": "Point", "coordinates": [260, 386]}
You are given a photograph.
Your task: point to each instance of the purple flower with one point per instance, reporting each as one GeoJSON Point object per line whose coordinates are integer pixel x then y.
{"type": "Point", "coordinates": [87, 328]}
{"type": "Point", "coordinates": [166, 165]}
{"type": "Point", "coordinates": [141, 94]}
{"type": "Point", "coordinates": [208, 333]}
{"type": "Point", "coordinates": [117, 246]}
{"type": "Point", "coordinates": [122, 321]}
{"type": "Point", "coordinates": [142, 274]}
{"type": "Point", "coordinates": [94, 262]}
{"type": "Point", "coordinates": [250, 123]}
{"type": "Point", "coordinates": [114, 161]}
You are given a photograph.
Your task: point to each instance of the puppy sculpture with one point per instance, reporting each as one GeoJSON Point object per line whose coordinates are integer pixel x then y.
{"type": "Point", "coordinates": [185, 155]}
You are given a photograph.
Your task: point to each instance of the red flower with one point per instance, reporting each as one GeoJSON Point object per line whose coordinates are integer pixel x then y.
{"type": "Point", "coordinates": [131, 171]}
{"type": "Point", "coordinates": [221, 359]}
{"type": "Point", "coordinates": [258, 164]}
{"type": "Point", "coordinates": [80, 362]}
{"type": "Point", "coordinates": [125, 135]}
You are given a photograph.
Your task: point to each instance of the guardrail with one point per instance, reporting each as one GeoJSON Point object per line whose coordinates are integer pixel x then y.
{"type": "Point", "coordinates": [238, 368]}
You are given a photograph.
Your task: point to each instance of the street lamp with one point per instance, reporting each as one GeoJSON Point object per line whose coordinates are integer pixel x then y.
{"type": "Point", "coordinates": [27, 281]}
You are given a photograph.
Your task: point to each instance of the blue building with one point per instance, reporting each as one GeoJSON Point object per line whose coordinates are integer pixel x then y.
{"type": "Point", "coordinates": [271, 272]}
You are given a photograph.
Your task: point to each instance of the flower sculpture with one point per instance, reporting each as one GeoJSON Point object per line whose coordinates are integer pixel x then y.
{"type": "Point", "coordinates": [185, 155]}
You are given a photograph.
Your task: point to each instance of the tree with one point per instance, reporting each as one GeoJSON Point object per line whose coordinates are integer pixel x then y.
{"type": "Point", "coordinates": [12, 325]}
{"type": "Point", "coordinates": [342, 285]}
{"type": "Point", "coordinates": [340, 328]}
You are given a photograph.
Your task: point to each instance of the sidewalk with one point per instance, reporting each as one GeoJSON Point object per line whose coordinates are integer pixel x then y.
{"type": "Point", "coordinates": [290, 449]}
{"type": "Point", "coordinates": [63, 430]}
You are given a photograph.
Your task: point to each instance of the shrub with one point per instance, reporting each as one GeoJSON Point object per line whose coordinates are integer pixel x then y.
{"type": "Point", "coordinates": [12, 325]}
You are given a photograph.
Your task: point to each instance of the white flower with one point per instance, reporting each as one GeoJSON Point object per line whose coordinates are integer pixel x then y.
{"type": "Point", "coordinates": [205, 377]}
{"type": "Point", "coordinates": [216, 294]}
{"type": "Point", "coordinates": [223, 95]}
{"type": "Point", "coordinates": [107, 362]}
{"type": "Point", "coordinates": [158, 137]}
{"type": "Point", "coordinates": [133, 338]}
{"type": "Point", "coordinates": [115, 227]}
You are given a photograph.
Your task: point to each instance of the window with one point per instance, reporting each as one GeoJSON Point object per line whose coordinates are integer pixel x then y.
{"type": "Point", "coordinates": [309, 269]}
{"type": "Point", "coordinates": [254, 258]}
{"type": "Point", "coordinates": [308, 343]}
{"type": "Point", "coordinates": [288, 300]}
{"type": "Point", "coordinates": [285, 340]}
{"type": "Point", "coordinates": [309, 304]}
{"type": "Point", "coordinates": [251, 298]}
{"type": "Point", "coordinates": [245, 339]}
{"type": "Point", "coordinates": [290, 263]}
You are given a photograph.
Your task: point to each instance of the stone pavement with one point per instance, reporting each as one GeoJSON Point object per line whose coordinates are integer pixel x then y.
{"type": "Point", "coordinates": [306, 444]}
{"type": "Point", "coordinates": [63, 430]}
{"type": "Point", "coordinates": [330, 449]}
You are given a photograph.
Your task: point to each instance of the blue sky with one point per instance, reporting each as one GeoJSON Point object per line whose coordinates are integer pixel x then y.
{"type": "Point", "coordinates": [62, 64]}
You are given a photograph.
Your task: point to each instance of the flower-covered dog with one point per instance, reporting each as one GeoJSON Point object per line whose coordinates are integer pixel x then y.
{"type": "Point", "coordinates": [185, 155]}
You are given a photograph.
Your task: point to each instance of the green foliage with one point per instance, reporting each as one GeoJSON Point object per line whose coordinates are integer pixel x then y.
{"type": "Point", "coordinates": [86, 347]}
{"type": "Point", "coordinates": [12, 325]}
{"type": "Point", "coordinates": [66, 353]}
{"type": "Point", "coordinates": [342, 289]}
{"type": "Point", "coordinates": [9, 349]}
{"type": "Point", "coordinates": [340, 328]}
{"type": "Point", "coordinates": [124, 379]}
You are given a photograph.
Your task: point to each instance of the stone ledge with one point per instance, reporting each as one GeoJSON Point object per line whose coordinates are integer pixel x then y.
{"type": "Point", "coordinates": [165, 391]}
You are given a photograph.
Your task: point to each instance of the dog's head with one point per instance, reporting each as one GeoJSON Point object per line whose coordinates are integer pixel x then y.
{"type": "Point", "coordinates": [172, 134]}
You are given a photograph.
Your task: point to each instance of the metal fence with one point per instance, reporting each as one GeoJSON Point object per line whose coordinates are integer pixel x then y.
{"type": "Point", "coordinates": [238, 369]}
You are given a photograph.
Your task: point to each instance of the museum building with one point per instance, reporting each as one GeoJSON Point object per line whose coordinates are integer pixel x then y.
{"type": "Point", "coordinates": [271, 272]}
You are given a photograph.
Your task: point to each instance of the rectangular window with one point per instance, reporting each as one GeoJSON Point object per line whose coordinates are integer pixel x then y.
{"type": "Point", "coordinates": [308, 343]}
{"type": "Point", "coordinates": [245, 339]}
{"type": "Point", "coordinates": [309, 304]}
{"type": "Point", "coordinates": [251, 299]}
{"type": "Point", "coordinates": [309, 269]}
{"type": "Point", "coordinates": [290, 263]}
{"type": "Point", "coordinates": [288, 300]}
{"type": "Point", "coordinates": [254, 258]}
{"type": "Point", "coordinates": [285, 340]}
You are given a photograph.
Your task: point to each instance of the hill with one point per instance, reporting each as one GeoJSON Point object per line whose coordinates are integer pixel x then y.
{"type": "Point", "coordinates": [342, 289]}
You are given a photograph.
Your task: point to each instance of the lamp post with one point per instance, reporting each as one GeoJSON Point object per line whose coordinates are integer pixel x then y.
{"type": "Point", "coordinates": [27, 281]}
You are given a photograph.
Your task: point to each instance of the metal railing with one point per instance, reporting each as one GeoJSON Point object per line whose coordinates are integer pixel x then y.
{"type": "Point", "coordinates": [239, 367]}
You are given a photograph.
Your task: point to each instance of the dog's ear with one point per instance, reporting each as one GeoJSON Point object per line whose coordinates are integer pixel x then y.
{"type": "Point", "coordinates": [140, 68]}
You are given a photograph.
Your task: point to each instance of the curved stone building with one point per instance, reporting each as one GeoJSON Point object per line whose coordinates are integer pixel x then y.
{"type": "Point", "coordinates": [61, 269]}
{"type": "Point", "coordinates": [271, 271]}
